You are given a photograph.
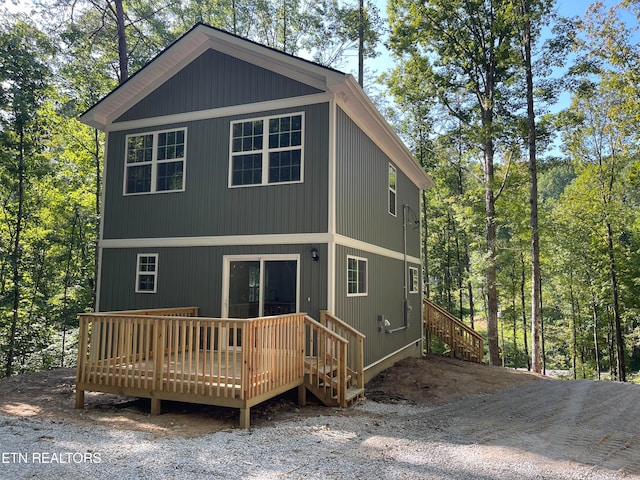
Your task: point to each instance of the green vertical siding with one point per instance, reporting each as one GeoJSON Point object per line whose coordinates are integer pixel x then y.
{"type": "Point", "coordinates": [215, 80]}
{"type": "Point", "coordinates": [362, 192]}
{"type": "Point", "coordinates": [208, 207]}
{"type": "Point", "coordinates": [385, 297]}
{"type": "Point", "coordinates": [193, 277]}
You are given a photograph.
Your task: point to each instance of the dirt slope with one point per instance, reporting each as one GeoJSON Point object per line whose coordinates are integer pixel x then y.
{"type": "Point", "coordinates": [418, 381]}
{"type": "Point", "coordinates": [510, 416]}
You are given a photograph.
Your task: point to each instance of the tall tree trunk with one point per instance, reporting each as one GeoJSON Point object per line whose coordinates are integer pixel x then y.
{"type": "Point", "coordinates": [16, 256]}
{"type": "Point", "coordinates": [611, 347]}
{"type": "Point", "coordinates": [574, 328]}
{"type": "Point", "coordinates": [595, 337]}
{"type": "Point", "coordinates": [361, 44]}
{"type": "Point", "coordinates": [622, 375]}
{"type": "Point", "coordinates": [523, 302]}
{"type": "Point", "coordinates": [490, 230]}
{"type": "Point", "coordinates": [235, 16]}
{"type": "Point", "coordinates": [123, 54]}
{"type": "Point", "coordinates": [467, 267]}
{"type": "Point", "coordinates": [491, 276]}
{"type": "Point", "coordinates": [533, 198]}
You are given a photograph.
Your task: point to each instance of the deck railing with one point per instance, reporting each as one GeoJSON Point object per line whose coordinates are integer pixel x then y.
{"type": "Point", "coordinates": [172, 354]}
{"type": "Point", "coordinates": [326, 358]}
{"type": "Point", "coordinates": [460, 338]}
{"type": "Point", "coordinates": [355, 347]}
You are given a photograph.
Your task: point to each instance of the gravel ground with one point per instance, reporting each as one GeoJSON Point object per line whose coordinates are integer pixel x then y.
{"type": "Point", "coordinates": [540, 430]}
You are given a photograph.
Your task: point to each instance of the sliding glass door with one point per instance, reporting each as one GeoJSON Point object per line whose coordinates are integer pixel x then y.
{"type": "Point", "coordinates": [260, 286]}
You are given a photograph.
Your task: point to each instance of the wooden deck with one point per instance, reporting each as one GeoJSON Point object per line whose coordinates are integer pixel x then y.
{"type": "Point", "coordinates": [171, 354]}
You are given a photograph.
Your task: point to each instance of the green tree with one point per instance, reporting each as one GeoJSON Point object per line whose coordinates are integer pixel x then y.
{"type": "Point", "coordinates": [25, 55]}
{"type": "Point", "coordinates": [467, 48]}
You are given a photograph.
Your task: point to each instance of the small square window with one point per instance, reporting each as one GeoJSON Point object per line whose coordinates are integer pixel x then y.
{"type": "Point", "coordinates": [146, 273]}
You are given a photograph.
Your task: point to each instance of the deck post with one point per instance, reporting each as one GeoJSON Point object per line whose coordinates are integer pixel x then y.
{"type": "Point", "coordinates": [83, 347]}
{"type": "Point", "coordinates": [155, 406]}
{"type": "Point", "coordinates": [79, 398]}
{"type": "Point", "coordinates": [245, 417]}
{"type": "Point", "coordinates": [302, 395]}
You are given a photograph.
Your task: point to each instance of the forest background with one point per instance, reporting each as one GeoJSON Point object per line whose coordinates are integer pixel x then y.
{"type": "Point", "coordinates": [527, 121]}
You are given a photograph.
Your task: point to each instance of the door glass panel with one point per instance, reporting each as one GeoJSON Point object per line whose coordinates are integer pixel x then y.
{"type": "Point", "coordinates": [280, 287]}
{"type": "Point", "coordinates": [244, 289]}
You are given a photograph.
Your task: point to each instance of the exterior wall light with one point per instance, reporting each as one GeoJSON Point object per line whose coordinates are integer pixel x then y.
{"type": "Point", "coordinates": [314, 254]}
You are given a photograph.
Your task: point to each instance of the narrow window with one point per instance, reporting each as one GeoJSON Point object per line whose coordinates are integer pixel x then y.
{"type": "Point", "coordinates": [392, 190]}
{"type": "Point", "coordinates": [266, 151]}
{"type": "Point", "coordinates": [155, 162]}
{"type": "Point", "coordinates": [356, 276]}
{"type": "Point", "coordinates": [413, 280]}
{"type": "Point", "coordinates": [146, 273]}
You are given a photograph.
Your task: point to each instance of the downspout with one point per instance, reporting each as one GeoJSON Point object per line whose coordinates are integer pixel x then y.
{"type": "Point", "coordinates": [405, 301]}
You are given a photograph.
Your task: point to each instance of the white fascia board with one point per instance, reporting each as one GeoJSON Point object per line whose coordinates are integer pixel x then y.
{"type": "Point", "coordinates": [145, 80]}
{"type": "Point", "coordinates": [278, 62]}
{"type": "Point", "coordinates": [352, 99]}
{"type": "Point", "coordinates": [188, 48]}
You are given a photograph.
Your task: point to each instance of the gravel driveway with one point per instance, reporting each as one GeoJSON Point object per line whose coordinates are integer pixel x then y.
{"type": "Point", "coordinates": [540, 430]}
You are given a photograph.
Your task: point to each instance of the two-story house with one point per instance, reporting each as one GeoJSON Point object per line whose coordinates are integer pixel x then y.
{"type": "Point", "coordinates": [252, 183]}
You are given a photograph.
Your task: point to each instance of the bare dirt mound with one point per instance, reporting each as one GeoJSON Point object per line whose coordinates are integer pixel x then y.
{"type": "Point", "coordinates": [431, 380]}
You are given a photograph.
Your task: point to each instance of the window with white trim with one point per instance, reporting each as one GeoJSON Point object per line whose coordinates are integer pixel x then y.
{"type": "Point", "coordinates": [356, 276]}
{"type": "Point", "coordinates": [147, 273]}
{"type": "Point", "coordinates": [413, 280]}
{"type": "Point", "coordinates": [155, 162]}
{"type": "Point", "coordinates": [267, 150]}
{"type": "Point", "coordinates": [393, 206]}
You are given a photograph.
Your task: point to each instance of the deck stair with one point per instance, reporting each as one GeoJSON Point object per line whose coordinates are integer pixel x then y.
{"type": "Point", "coordinates": [462, 340]}
{"type": "Point", "coordinates": [334, 361]}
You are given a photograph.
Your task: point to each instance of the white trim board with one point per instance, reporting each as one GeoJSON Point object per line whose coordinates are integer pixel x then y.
{"type": "Point", "coordinates": [246, 109]}
{"type": "Point", "coordinates": [269, 239]}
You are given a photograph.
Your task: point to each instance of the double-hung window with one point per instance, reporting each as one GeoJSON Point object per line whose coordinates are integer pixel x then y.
{"type": "Point", "coordinates": [155, 162]}
{"type": "Point", "coordinates": [147, 273]}
{"type": "Point", "coordinates": [356, 276]}
{"type": "Point", "coordinates": [393, 205]}
{"type": "Point", "coordinates": [267, 150]}
{"type": "Point", "coordinates": [413, 280]}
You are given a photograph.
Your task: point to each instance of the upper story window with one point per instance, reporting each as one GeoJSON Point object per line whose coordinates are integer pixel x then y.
{"type": "Point", "coordinates": [393, 204]}
{"type": "Point", "coordinates": [356, 276]}
{"type": "Point", "coordinates": [267, 150]}
{"type": "Point", "coordinates": [413, 280]}
{"type": "Point", "coordinates": [155, 162]}
{"type": "Point", "coordinates": [146, 273]}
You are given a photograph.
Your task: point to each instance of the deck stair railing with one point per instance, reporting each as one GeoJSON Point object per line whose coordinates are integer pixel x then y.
{"type": "Point", "coordinates": [462, 340]}
{"type": "Point", "coordinates": [334, 361]}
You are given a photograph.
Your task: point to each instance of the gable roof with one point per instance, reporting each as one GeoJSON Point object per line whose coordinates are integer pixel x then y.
{"type": "Point", "coordinates": [201, 37]}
